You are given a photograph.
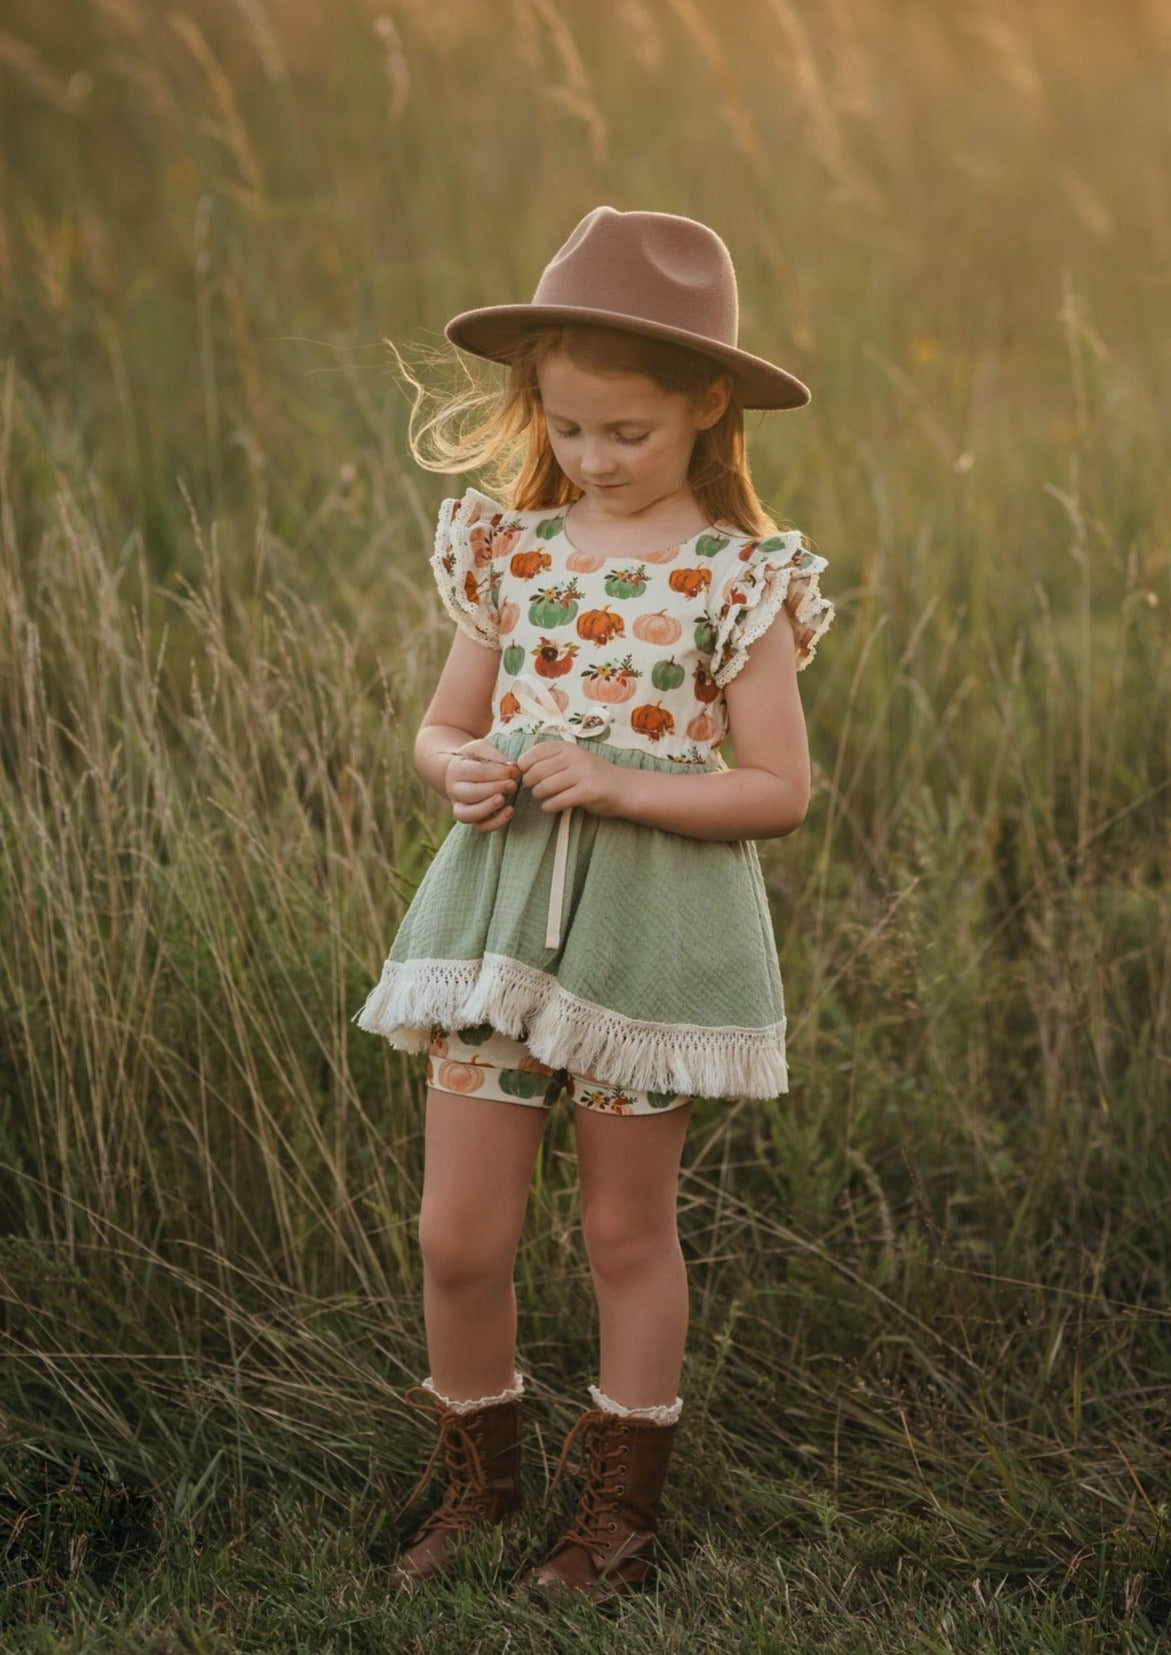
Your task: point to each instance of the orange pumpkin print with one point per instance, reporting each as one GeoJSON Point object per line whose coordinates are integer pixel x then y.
{"type": "Point", "coordinates": [480, 542]}
{"type": "Point", "coordinates": [460, 1077]}
{"type": "Point", "coordinates": [471, 588]}
{"type": "Point", "coordinates": [667, 554]}
{"type": "Point", "coordinates": [551, 661]}
{"type": "Point", "coordinates": [509, 707]}
{"type": "Point", "coordinates": [508, 616]}
{"type": "Point", "coordinates": [703, 727]}
{"type": "Point", "coordinates": [691, 582]}
{"type": "Point", "coordinates": [528, 565]}
{"type": "Point", "coordinates": [598, 626]}
{"type": "Point", "coordinates": [652, 721]}
{"type": "Point", "coordinates": [658, 628]}
{"type": "Point", "coordinates": [584, 563]}
{"type": "Point", "coordinates": [611, 681]}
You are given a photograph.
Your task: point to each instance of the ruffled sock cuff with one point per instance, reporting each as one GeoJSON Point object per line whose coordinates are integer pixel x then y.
{"type": "Point", "coordinates": [665, 1414]}
{"type": "Point", "coordinates": [458, 1406]}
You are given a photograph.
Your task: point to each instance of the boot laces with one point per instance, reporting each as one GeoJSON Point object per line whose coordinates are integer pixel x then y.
{"type": "Point", "coordinates": [461, 1457]}
{"type": "Point", "coordinates": [595, 1521]}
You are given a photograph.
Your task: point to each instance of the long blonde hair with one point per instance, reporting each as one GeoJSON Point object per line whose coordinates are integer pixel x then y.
{"type": "Point", "coordinates": [500, 431]}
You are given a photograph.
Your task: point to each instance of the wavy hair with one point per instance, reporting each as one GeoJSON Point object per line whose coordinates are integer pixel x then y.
{"type": "Point", "coordinates": [500, 431]}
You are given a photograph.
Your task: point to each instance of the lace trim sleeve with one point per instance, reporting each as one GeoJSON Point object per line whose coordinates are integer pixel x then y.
{"type": "Point", "coordinates": [470, 533]}
{"type": "Point", "coordinates": [761, 577]}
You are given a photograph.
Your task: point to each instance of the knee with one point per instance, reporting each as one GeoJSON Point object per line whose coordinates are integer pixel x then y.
{"type": "Point", "coordinates": [622, 1240]}
{"type": "Point", "coordinates": [458, 1250]}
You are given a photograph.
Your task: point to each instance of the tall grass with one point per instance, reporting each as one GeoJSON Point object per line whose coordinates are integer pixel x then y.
{"type": "Point", "coordinates": [929, 1376]}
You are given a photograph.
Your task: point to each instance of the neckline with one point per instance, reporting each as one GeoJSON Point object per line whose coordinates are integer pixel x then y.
{"type": "Point", "coordinates": [723, 530]}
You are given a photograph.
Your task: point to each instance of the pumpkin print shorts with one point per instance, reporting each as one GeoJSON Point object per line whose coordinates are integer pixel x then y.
{"type": "Point", "coordinates": [493, 1066]}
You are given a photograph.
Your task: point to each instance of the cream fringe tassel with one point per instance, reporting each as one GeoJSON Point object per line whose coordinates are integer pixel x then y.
{"type": "Point", "coordinates": [415, 996]}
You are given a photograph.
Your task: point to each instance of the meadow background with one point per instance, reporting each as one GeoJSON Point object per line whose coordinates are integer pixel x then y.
{"type": "Point", "coordinates": [929, 1378]}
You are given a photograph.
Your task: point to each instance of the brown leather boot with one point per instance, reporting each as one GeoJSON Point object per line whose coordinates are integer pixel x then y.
{"type": "Point", "coordinates": [609, 1546]}
{"type": "Point", "coordinates": [481, 1453]}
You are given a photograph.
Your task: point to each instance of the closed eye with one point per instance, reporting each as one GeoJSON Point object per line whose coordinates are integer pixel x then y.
{"type": "Point", "coordinates": [565, 432]}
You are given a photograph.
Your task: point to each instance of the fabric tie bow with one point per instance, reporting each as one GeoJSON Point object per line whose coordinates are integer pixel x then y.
{"type": "Point", "coordinates": [537, 702]}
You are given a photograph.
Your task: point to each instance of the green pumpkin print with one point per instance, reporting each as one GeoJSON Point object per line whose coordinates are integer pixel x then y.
{"type": "Point", "coordinates": [549, 528]}
{"type": "Point", "coordinates": [522, 1083]}
{"type": "Point", "coordinates": [709, 544]}
{"type": "Point", "coordinates": [667, 675]}
{"type": "Point", "coordinates": [478, 1035]}
{"type": "Point", "coordinates": [705, 635]}
{"type": "Point", "coordinates": [554, 606]}
{"type": "Point", "coordinates": [627, 583]}
{"type": "Point", "coordinates": [514, 659]}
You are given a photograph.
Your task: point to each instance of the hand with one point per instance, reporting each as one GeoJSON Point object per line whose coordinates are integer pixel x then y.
{"type": "Point", "coordinates": [561, 774]}
{"type": "Point", "coordinates": [479, 781]}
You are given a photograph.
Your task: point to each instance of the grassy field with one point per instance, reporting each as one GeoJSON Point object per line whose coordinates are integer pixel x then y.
{"type": "Point", "coordinates": [928, 1395]}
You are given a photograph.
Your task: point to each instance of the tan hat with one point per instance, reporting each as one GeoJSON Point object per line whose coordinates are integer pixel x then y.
{"type": "Point", "coordinates": [650, 273]}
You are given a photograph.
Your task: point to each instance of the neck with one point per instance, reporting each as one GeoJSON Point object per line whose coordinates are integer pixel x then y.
{"type": "Point", "coordinates": [662, 524]}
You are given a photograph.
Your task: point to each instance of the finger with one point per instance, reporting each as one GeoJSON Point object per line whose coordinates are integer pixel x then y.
{"type": "Point", "coordinates": [556, 792]}
{"type": "Point", "coordinates": [472, 789]}
{"type": "Point", "coordinates": [538, 753]}
{"type": "Point", "coordinates": [477, 810]}
{"type": "Point", "coordinates": [499, 820]}
{"type": "Point", "coordinates": [462, 770]}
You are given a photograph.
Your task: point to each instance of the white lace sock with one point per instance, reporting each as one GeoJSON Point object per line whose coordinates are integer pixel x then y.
{"type": "Point", "coordinates": [664, 1414]}
{"type": "Point", "coordinates": [513, 1394]}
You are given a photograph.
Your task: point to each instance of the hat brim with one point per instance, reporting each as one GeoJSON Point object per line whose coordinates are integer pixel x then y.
{"type": "Point", "coordinates": [495, 331]}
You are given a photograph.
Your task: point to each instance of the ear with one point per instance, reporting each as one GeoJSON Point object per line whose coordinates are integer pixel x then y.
{"type": "Point", "coordinates": [712, 405]}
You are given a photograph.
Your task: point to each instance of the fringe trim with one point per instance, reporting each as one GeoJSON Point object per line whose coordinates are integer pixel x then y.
{"type": "Point", "coordinates": [513, 1394]}
{"type": "Point", "coordinates": [665, 1414]}
{"type": "Point", "coordinates": [416, 996]}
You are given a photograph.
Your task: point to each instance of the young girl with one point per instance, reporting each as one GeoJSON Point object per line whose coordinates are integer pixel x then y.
{"type": "Point", "coordinates": [596, 923]}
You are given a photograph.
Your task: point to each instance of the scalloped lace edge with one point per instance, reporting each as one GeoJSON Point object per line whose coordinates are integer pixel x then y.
{"type": "Point", "coordinates": [450, 532]}
{"type": "Point", "coordinates": [513, 1394]}
{"type": "Point", "coordinates": [665, 1414]}
{"type": "Point", "coordinates": [813, 611]}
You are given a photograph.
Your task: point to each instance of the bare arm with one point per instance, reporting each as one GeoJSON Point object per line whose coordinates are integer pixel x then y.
{"type": "Point", "coordinates": [451, 753]}
{"type": "Point", "coordinates": [766, 796]}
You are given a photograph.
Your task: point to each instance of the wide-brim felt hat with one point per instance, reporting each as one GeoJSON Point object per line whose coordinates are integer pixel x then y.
{"type": "Point", "coordinates": [650, 273]}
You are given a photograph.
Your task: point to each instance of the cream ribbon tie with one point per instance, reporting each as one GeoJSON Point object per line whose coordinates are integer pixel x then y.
{"type": "Point", "coordinates": [537, 702]}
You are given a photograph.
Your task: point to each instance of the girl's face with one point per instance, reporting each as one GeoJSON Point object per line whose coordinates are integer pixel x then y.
{"type": "Point", "coordinates": [620, 438]}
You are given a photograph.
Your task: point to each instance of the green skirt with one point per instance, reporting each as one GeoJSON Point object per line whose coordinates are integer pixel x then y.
{"type": "Point", "coordinates": [665, 976]}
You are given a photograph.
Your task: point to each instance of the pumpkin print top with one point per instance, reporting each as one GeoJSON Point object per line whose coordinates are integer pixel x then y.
{"type": "Point", "coordinates": [635, 652]}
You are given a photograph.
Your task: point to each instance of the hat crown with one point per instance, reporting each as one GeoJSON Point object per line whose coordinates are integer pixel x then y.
{"type": "Point", "coordinates": [656, 268]}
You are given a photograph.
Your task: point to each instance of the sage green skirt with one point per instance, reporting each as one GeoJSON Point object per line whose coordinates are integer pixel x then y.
{"type": "Point", "coordinates": [665, 976]}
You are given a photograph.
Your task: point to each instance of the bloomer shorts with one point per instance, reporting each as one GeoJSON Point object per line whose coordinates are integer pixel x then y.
{"type": "Point", "coordinates": [492, 1066]}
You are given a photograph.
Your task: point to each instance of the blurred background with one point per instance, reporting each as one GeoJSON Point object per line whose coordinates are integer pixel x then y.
{"type": "Point", "coordinates": [930, 1368]}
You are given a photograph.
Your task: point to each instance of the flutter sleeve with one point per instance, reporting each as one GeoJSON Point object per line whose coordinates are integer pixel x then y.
{"type": "Point", "coordinates": [754, 580]}
{"type": "Point", "coordinates": [473, 533]}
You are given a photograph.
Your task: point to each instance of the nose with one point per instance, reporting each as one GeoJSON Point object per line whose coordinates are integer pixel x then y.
{"type": "Point", "coordinates": [597, 460]}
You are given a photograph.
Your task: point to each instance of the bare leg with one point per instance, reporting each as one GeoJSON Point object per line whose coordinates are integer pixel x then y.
{"type": "Point", "coordinates": [629, 1170]}
{"type": "Point", "coordinates": [477, 1171]}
